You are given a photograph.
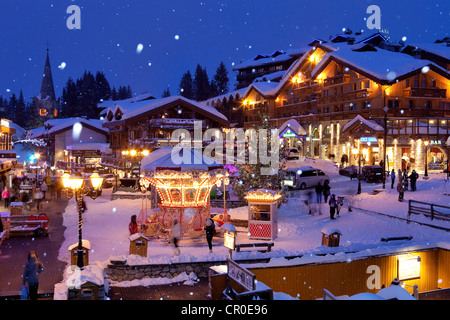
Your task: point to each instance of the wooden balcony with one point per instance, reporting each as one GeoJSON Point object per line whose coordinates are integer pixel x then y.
{"type": "Point", "coordinates": [346, 96]}
{"type": "Point", "coordinates": [339, 79]}
{"type": "Point", "coordinates": [425, 92]}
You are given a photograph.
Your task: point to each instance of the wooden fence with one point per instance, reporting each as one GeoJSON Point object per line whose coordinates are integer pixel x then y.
{"type": "Point", "coordinates": [429, 210]}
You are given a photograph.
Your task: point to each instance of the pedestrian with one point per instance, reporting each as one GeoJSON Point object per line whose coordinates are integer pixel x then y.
{"type": "Point", "coordinates": [38, 195]}
{"type": "Point", "coordinates": [59, 187]}
{"type": "Point", "coordinates": [175, 235]}
{"type": "Point", "coordinates": [405, 179]}
{"type": "Point", "coordinates": [210, 229]}
{"type": "Point", "coordinates": [326, 190]}
{"type": "Point", "coordinates": [400, 190]}
{"type": "Point", "coordinates": [44, 189]}
{"type": "Point", "coordinates": [5, 195]}
{"type": "Point", "coordinates": [133, 226]}
{"type": "Point", "coordinates": [319, 190]}
{"type": "Point", "coordinates": [413, 178]}
{"type": "Point", "coordinates": [30, 275]}
{"type": "Point", "coordinates": [333, 205]}
{"type": "Point", "coordinates": [392, 178]}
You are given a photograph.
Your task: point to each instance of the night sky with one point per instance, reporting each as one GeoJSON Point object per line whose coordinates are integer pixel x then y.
{"type": "Point", "coordinates": [176, 35]}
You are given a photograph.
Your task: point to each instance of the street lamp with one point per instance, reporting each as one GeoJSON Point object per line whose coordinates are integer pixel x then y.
{"type": "Point", "coordinates": [385, 109]}
{"type": "Point", "coordinates": [75, 183]}
{"type": "Point", "coordinates": [426, 157]}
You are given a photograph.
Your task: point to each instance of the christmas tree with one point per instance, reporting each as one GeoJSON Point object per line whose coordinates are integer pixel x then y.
{"type": "Point", "coordinates": [250, 176]}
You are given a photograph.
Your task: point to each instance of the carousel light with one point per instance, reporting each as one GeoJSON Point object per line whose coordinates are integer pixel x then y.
{"type": "Point", "coordinates": [66, 180]}
{"type": "Point", "coordinates": [133, 153]}
{"type": "Point", "coordinates": [145, 153]}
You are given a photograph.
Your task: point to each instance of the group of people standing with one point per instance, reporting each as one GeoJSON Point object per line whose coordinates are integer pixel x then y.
{"type": "Point", "coordinates": [322, 193]}
{"type": "Point", "coordinates": [403, 183]}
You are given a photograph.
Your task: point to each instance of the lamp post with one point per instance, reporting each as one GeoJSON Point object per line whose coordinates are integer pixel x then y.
{"type": "Point", "coordinates": [75, 184]}
{"type": "Point", "coordinates": [426, 157]}
{"type": "Point", "coordinates": [385, 109]}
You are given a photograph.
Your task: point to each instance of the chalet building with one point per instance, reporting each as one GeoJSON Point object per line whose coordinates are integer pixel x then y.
{"type": "Point", "coordinates": [356, 95]}
{"type": "Point", "coordinates": [7, 154]}
{"type": "Point", "coordinates": [71, 141]}
{"type": "Point", "coordinates": [264, 64]}
{"type": "Point", "coordinates": [138, 128]}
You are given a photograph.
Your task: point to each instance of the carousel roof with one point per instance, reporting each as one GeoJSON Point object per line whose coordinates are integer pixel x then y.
{"type": "Point", "coordinates": [175, 159]}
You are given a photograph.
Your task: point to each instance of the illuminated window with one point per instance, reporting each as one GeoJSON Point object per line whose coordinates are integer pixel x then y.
{"type": "Point", "coordinates": [42, 112]}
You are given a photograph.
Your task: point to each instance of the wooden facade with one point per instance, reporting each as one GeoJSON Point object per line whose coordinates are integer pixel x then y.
{"type": "Point", "coordinates": [330, 85]}
{"type": "Point", "coordinates": [149, 125]}
{"type": "Point", "coordinates": [307, 281]}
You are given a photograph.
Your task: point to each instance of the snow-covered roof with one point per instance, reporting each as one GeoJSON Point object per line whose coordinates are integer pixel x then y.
{"type": "Point", "coordinates": [136, 236]}
{"type": "Point", "coordinates": [372, 124]}
{"type": "Point", "coordinates": [65, 123]}
{"type": "Point", "coordinates": [85, 243]}
{"type": "Point", "coordinates": [130, 110]}
{"type": "Point", "coordinates": [233, 94]}
{"type": "Point", "coordinates": [112, 103]}
{"type": "Point", "coordinates": [381, 65]}
{"type": "Point", "coordinates": [440, 49]}
{"type": "Point", "coordinates": [277, 56]}
{"type": "Point", "coordinates": [163, 158]}
{"type": "Point", "coordinates": [330, 230]}
{"type": "Point", "coordinates": [295, 126]}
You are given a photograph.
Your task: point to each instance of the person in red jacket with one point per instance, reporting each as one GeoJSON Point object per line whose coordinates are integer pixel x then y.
{"type": "Point", "coordinates": [133, 226]}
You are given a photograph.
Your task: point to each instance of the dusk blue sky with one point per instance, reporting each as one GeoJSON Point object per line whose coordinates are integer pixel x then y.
{"type": "Point", "coordinates": [209, 32]}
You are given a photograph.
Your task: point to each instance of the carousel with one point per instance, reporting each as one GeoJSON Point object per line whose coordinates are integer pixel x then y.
{"type": "Point", "coordinates": [183, 189]}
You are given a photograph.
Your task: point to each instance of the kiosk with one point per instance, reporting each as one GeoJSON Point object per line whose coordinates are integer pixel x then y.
{"type": "Point", "coordinates": [263, 214]}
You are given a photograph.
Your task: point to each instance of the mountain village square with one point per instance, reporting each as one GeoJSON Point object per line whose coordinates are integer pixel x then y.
{"type": "Point", "coordinates": [316, 172]}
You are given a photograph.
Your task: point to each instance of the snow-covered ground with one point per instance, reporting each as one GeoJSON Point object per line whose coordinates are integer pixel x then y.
{"type": "Point", "coordinates": [105, 225]}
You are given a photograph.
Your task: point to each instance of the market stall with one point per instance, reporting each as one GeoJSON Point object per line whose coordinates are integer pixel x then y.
{"type": "Point", "coordinates": [183, 188]}
{"type": "Point", "coordinates": [263, 214]}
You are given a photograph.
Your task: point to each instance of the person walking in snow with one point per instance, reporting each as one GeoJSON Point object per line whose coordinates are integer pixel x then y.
{"type": "Point", "coordinates": [333, 205]}
{"type": "Point", "coordinates": [392, 178]}
{"type": "Point", "coordinates": [44, 189]}
{"type": "Point", "coordinates": [30, 275]}
{"type": "Point", "coordinates": [209, 228]}
{"type": "Point", "coordinates": [175, 235]}
{"type": "Point", "coordinates": [326, 190]}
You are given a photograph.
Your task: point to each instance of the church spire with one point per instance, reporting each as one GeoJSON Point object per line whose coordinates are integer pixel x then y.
{"type": "Point", "coordinates": [47, 88]}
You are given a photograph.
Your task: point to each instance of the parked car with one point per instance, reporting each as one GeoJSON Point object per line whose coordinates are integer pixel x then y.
{"type": "Point", "coordinates": [372, 173]}
{"type": "Point", "coordinates": [292, 153]}
{"type": "Point", "coordinates": [108, 180]}
{"type": "Point", "coordinates": [304, 177]}
{"type": "Point", "coordinates": [349, 171]}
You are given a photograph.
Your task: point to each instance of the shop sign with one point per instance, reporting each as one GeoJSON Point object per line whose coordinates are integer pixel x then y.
{"type": "Point", "coordinates": [289, 134]}
{"type": "Point", "coordinates": [229, 240]}
{"type": "Point", "coordinates": [438, 142]}
{"type": "Point", "coordinates": [408, 267]}
{"type": "Point", "coordinates": [241, 275]}
{"type": "Point", "coordinates": [368, 139]}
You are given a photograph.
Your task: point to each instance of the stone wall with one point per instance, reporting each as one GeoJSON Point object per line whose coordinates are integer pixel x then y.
{"type": "Point", "coordinates": [123, 272]}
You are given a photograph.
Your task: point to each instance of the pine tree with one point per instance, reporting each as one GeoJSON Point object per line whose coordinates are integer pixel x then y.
{"type": "Point", "coordinates": [103, 88]}
{"type": "Point", "coordinates": [166, 93]}
{"type": "Point", "coordinates": [3, 108]}
{"type": "Point", "coordinates": [185, 88]}
{"type": "Point", "coordinates": [69, 99]}
{"type": "Point", "coordinates": [114, 95]}
{"type": "Point", "coordinates": [20, 111]}
{"type": "Point", "coordinates": [12, 108]}
{"type": "Point", "coordinates": [201, 84]}
{"type": "Point", "coordinates": [250, 174]}
{"type": "Point", "coordinates": [221, 79]}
